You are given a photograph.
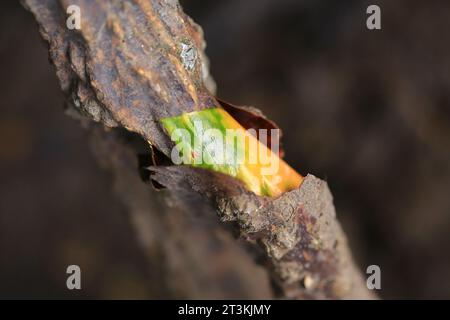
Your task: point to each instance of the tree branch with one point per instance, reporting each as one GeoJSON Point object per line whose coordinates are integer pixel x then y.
{"type": "Point", "coordinates": [135, 62]}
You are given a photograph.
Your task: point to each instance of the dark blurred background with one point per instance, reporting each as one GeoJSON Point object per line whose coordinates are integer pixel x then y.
{"type": "Point", "coordinates": [369, 111]}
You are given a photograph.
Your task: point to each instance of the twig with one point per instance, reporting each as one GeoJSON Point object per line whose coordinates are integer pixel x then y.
{"type": "Point", "coordinates": [135, 62]}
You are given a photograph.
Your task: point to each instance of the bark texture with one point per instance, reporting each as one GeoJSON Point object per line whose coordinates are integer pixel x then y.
{"type": "Point", "coordinates": [134, 62]}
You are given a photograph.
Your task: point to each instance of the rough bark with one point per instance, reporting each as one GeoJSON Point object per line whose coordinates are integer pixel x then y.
{"type": "Point", "coordinates": [134, 62]}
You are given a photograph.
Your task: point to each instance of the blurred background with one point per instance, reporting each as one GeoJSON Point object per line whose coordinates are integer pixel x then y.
{"type": "Point", "coordinates": [368, 111]}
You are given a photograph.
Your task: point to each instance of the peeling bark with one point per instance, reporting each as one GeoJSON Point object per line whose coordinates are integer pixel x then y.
{"type": "Point", "coordinates": [135, 62]}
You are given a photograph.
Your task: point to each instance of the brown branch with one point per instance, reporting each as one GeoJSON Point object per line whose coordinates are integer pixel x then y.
{"type": "Point", "coordinates": [135, 62]}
